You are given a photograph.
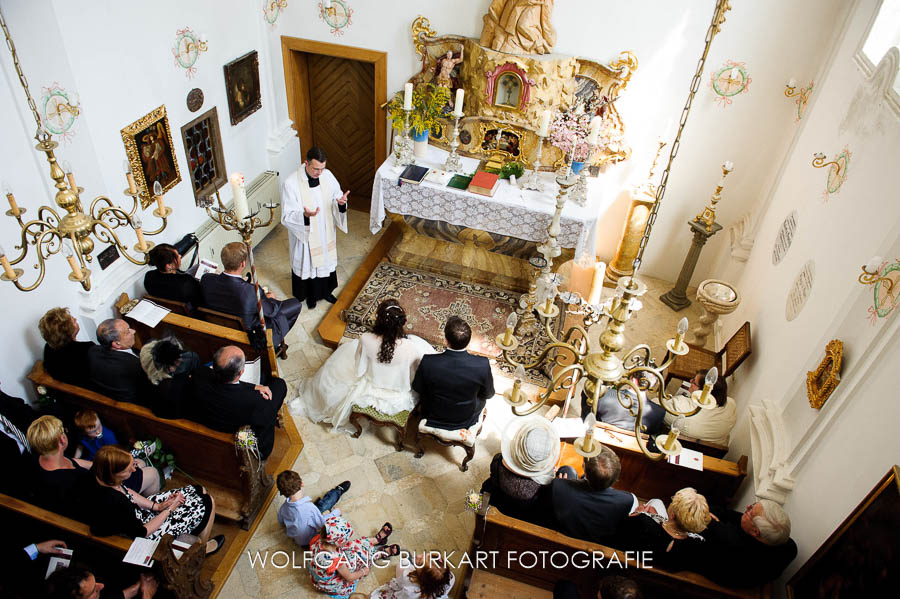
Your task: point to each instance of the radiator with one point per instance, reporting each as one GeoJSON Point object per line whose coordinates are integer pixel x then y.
{"type": "Point", "coordinates": [262, 190]}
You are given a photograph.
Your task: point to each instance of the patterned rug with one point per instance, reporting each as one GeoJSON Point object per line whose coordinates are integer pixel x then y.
{"type": "Point", "coordinates": [429, 300]}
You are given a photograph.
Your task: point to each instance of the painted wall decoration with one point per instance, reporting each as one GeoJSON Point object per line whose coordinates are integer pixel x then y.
{"type": "Point", "coordinates": [885, 290]}
{"type": "Point", "coordinates": [785, 237]}
{"type": "Point", "coordinates": [272, 9]}
{"type": "Point", "coordinates": [59, 111]}
{"type": "Point", "coordinates": [187, 49]}
{"type": "Point", "coordinates": [802, 100]}
{"type": "Point", "coordinates": [337, 14]}
{"type": "Point", "coordinates": [729, 80]}
{"type": "Point", "coordinates": [837, 173]}
{"type": "Point", "coordinates": [800, 290]}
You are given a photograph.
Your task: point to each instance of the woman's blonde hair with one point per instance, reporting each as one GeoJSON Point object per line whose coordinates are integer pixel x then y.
{"type": "Point", "coordinates": [690, 510]}
{"type": "Point", "coordinates": [109, 461]}
{"type": "Point", "coordinates": [57, 327]}
{"type": "Point", "coordinates": [44, 433]}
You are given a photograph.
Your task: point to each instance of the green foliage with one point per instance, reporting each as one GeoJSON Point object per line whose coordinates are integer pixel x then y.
{"type": "Point", "coordinates": [512, 168]}
{"type": "Point", "coordinates": [428, 102]}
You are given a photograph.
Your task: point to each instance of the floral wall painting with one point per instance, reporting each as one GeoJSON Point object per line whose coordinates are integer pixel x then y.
{"type": "Point", "coordinates": [838, 169]}
{"type": "Point", "coordinates": [242, 86]}
{"type": "Point", "coordinates": [728, 81]}
{"type": "Point", "coordinates": [885, 284]}
{"type": "Point", "coordinates": [60, 110]}
{"type": "Point", "coordinates": [802, 100]}
{"type": "Point", "coordinates": [186, 50]}
{"type": "Point", "coordinates": [148, 145]}
{"type": "Point", "coordinates": [272, 9]}
{"type": "Point", "coordinates": [337, 14]}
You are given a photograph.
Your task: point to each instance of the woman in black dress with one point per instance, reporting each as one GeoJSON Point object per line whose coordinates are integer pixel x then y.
{"type": "Point", "coordinates": [168, 368]}
{"type": "Point", "coordinates": [64, 358]}
{"type": "Point", "coordinates": [114, 509]}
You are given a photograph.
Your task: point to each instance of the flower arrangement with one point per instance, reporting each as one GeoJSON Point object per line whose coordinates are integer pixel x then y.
{"type": "Point", "coordinates": [152, 452]}
{"type": "Point", "coordinates": [43, 398]}
{"type": "Point", "coordinates": [569, 132]}
{"type": "Point", "coordinates": [474, 500]}
{"type": "Point", "coordinates": [245, 438]}
{"type": "Point", "coordinates": [428, 104]}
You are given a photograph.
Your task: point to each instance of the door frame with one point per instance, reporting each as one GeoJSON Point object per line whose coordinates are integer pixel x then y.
{"type": "Point", "coordinates": [293, 51]}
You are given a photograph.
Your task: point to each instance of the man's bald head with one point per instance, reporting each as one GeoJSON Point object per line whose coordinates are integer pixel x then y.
{"type": "Point", "coordinates": [228, 363]}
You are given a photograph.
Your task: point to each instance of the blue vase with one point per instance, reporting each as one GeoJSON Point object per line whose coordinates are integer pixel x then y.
{"type": "Point", "coordinates": [577, 166]}
{"type": "Point", "coordinates": [420, 143]}
{"type": "Point", "coordinates": [423, 136]}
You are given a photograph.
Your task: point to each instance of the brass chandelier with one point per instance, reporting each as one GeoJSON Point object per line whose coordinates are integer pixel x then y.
{"type": "Point", "coordinates": [72, 233]}
{"type": "Point", "coordinates": [637, 371]}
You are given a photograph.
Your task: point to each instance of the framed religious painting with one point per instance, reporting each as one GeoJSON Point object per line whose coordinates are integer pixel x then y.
{"type": "Point", "coordinates": [242, 86]}
{"type": "Point", "coordinates": [151, 154]}
{"type": "Point", "coordinates": [206, 161]}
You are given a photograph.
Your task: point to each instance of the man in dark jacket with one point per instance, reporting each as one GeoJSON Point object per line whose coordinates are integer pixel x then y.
{"type": "Point", "coordinates": [15, 452]}
{"type": "Point", "coordinates": [453, 386]}
{"type": "Point", "coordinates": [224, 403]}
{"type": "Point", "coordinates": [114, 369]}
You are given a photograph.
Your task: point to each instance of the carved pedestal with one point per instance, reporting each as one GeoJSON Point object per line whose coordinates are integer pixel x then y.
{"type": "Point", "coordinates": [676, 298]}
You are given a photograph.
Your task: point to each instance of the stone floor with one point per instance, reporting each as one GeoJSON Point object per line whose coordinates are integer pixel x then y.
{"type": "Point", "coordinates": [423, 498]}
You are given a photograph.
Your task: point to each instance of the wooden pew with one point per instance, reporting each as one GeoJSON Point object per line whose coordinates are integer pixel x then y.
{"type": "Point", "coordinates": [718, 481]}
{"type": "Point", "coordinates": [188, 578]}
{"type": "Point", "coordinates": [239, 486]}
{"type": "Point", "coordinates": [504, 541]}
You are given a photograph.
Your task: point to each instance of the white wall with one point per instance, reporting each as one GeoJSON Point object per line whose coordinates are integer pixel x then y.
{"type": "Point", "coordinates": [834, 455]}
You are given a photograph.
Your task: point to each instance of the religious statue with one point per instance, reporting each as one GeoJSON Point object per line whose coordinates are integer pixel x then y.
{"type": "Point", "coordinates": [519, 26]}
{"type": "Point", "coordinates": [444, 70]}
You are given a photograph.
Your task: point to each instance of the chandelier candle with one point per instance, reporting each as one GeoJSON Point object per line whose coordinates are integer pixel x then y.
{"type": "Point", "coordinates": [158, 194]}
{"type": "Point", "coordinates": [711, 377]}
{"type": "Point", "coordinates": [680, 330]}
{"type": "Point", "coordinates": [239, 193]}
{"type": "Point", "coordinates": [511, 322]}
{"type": "Point", "coordinates": [132, 188]}
{"type": "Point", "coordinates": [7, 268]}
{"type": "Point", "coordinates": [11, 199]}
{"type": "Point", "coordinates": [69, 253]}
{"type": "Point", "coordinates": [70, 176]}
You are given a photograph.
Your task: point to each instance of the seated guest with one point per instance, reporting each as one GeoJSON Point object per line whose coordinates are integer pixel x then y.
{"type": "Point", "coordinates": [168, 368]}
{"type": "Point", "coordinates": [225, 403]}
{"type": "Point", "coordinates": [168, 281]}
{"type": "Point", "coordinates": [453, 386]}
{"type": "Point", "coordinates": [113, 509]}
{"type": "Point", "coordinates": [74, 582]}
{"type": "Point", "coordinates": [65, 359]}
{"type": "Point", "coordinates": [427, 577]}
{"type": "Point", "coordinates": [611, 586]}
{"type": "Point", "coordinates": [230, 293]}
{"type": "Point", "coordinates": [673, 535]}
{"type": "Point", "coordinates": [301, 517]}
{"type": "Point", "coordinates": [29, 563]}
{"type": "Point", "coordinates": [713, 425]}
{"type": "Point", "coordinates": [611, 411]}
{"type": "Point", "coordinates": [372, 371]}
{"type": "Point", "coordinates": [114, 369]}
{"type": "Point", "coordinates": [15, 451]}
{"type": "Point", "coordinates": [589, 508]}
{"type": "Point", "coordinates": [58, 481]}
{"type": "Point", "coordinates": [749, 549]}
{"type": "Point", "coordinates": [93, 434]}
{"type": "Point", "coordinates": [529, 450]}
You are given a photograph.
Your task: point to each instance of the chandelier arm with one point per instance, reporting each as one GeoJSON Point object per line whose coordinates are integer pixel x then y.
{"type": "Point", "coordinates": [111, 215]}
{"type": "Point", "coordinates": [510, 360]}
{"type": "Point", "coordinates": [664, 398]}
{"type": "Point", "coordinates": [48, 218]}
{"type": "Point", "coordinates": [40, 261]}
{"type": "Point", "coordinates": [554, 386]}
{"type": "Point", "coordinates": [632, 354]}
{"type": "Point", "coordinates": [587, 342]}
{"type": "Point", "coordinates": [638, 414]}
{"type": "Point", "coordinates": [217, 218]}
{"type": "Point", "coordinates": [161, 228]}
{"type": "Point", "coordinates": [43, 227]}
{"type": "Point", "coordinates": [667, 361]}
{"type": "Point", "coordinates": [109, 236]}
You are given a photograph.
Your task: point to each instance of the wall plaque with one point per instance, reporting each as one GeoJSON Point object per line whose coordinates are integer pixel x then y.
{"type": "Point", "coordinates": [785, 237]}
{"type": "Point", "coordinates": [800, 290]}
{"type": "Point", "coordinates": [107, 257]}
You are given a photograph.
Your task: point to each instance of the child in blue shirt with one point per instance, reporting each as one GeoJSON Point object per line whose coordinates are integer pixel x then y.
{"type": "Point", "coordinates": [93, 435]}
{"type": "Point", "coordinates": [302, 517]}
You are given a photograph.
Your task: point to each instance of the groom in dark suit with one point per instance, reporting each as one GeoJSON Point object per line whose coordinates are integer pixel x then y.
{"type": "Point", "coordinates": [229, 292]}
{"type": "Point", "coordinates": [453, 386]}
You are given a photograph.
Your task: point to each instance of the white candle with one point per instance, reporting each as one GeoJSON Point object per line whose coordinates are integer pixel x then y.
{"type": "Point", "coordinates": [459, 101]}
{"type": "Point", "coordinates": [241, 209]}
{"type": "Point", "coordinates": [69, 253]}
{"type": "Point", "coordinates": [545, 123]}
{"type": "Point", "coordinates": [597, 283]}
{"type": "Point", "coordinates": [11, 199]}
{"type": "Point", "coordinates": [595, 130]}
{"type": "Point", "coordinates": [7, 267]}
{"type": "Point", "coordinates": [407, 96]}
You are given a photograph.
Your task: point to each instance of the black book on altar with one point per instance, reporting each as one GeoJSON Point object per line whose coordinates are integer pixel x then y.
{"type": "Point", "coordinates": [414, 174]}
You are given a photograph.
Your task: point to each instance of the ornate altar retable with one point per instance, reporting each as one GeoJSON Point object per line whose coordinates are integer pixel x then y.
{"type": "Point", "coordinates": [478, 238]}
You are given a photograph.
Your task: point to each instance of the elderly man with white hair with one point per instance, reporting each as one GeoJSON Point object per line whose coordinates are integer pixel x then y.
{"type": "Point", "coordinates": [749, 549]}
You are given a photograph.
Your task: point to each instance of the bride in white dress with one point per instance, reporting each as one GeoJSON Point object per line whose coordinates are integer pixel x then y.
{"type": "Point", "coordinates": [375, 370]}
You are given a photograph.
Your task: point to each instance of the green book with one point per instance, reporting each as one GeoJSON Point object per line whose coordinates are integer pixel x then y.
{"type": "Point", "coordinates": [459, 182]}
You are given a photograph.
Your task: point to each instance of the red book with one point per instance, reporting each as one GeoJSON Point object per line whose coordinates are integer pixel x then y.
{"type": "Point", "coordinates": [484, 183]}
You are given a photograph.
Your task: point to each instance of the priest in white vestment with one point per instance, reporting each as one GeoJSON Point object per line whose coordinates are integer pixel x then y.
{"type": "Point", "coordinates": [313, 207]}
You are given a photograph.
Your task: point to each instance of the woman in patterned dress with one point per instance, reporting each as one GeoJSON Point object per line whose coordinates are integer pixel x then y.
{"type": "Point", "coordinates": [339, 560]}
{"type": "Point", "coordinates": [427, 578]}
{"type": "Point", "coordinates": [113, 509]}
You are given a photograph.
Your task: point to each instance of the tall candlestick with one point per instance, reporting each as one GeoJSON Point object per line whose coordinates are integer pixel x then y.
{"type": "Point", "coordinates": [239, 193]}
{"type": "Point", "coordinates": [595, 131]}
{"type": "Point", "coordinates": [545, 123]}
{"type": "Point", "coordinates": [407, 96]}
{"type": "Point", "coordinates": [458, 105]}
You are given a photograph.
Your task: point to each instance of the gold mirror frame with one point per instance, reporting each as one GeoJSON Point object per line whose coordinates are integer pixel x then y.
{"type": "Point", "coordinates": [822, 382]}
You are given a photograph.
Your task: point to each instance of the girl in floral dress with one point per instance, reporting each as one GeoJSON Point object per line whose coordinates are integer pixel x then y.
{"type": "Point", "coordinates": [339, 560]}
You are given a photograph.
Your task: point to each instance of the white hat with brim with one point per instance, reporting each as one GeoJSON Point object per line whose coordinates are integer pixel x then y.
{"type": "Point", "coordinates": [530, 448]}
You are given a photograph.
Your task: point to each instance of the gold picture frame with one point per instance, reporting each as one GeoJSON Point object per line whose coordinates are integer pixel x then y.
{"type": "Point", "coordinates": [821, 382]}
{"type": "Point", "coordinates": [151, 153]}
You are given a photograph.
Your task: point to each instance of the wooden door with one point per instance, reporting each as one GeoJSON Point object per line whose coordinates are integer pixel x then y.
{"type": "Point", "coordinates": [341, 102]}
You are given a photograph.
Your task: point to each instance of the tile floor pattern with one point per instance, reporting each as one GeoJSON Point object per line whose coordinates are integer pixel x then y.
{"type": "Point", "coordinates": [423, 498]}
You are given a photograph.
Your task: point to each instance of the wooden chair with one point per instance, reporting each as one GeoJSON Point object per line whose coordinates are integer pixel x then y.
{"type": "Point", "coordinates": [464, 438]}
{"type": "Point", "coordinates": [726, 359]}
{"type": "Point", "coordinates": [175, 307]}
{"type": "Point", "coordinates": [222, 319]}
{"type": "Point", "coordinates": [397, 421]}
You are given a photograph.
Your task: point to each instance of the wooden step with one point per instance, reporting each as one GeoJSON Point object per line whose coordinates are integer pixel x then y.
{"type": "Point", "coordinates": [485, 585]}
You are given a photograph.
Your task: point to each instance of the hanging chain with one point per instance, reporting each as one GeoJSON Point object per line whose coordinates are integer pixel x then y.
{"type": "Point", "coordinates": [722, 6]}
{"type": "Point", "coordinates": [41, 134]}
